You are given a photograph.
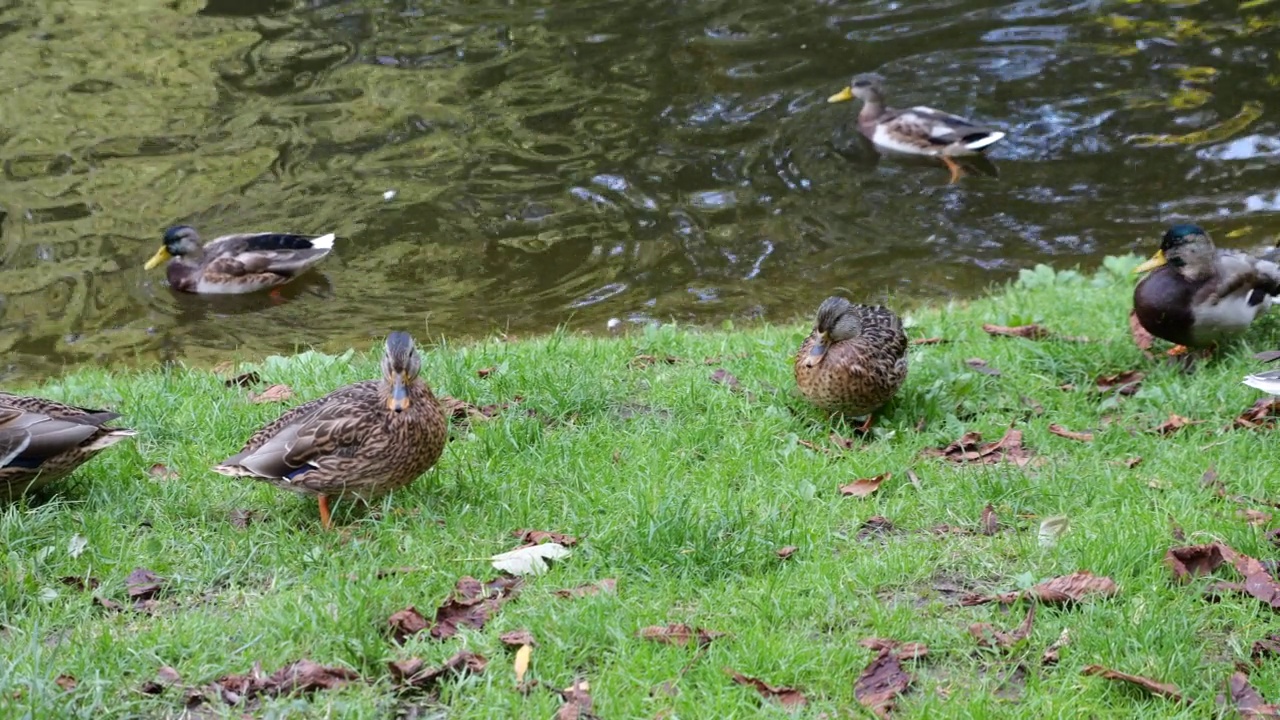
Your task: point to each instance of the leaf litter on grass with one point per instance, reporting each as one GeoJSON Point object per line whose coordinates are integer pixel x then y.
{"type": "Point", "coordinates": [881, 682]}
{"type": "Point", "coordinates": [303, 676]}
{"type": "Point", "coordinates": [1063, 589]}
{"type": "Point", "coordinates": [537, 537]}
{"type": "Point", "coordinates": [1061, 431]}
{"type": "Point", "coordinates": [789, 697]}
{"type": "Point", "coordinates": [970, 449]}
{"type": "Point", "coordinates": [1123, 383]}
{"type": "Point", "coordinates": [1249, 702]}
{"type": "Point", "coordinates": [865, 486]}
{"type": "Point", "coordinates": [608, 585]}
{"type": "Point", "coordinates": [1193, 560]}
{"type": "Point", "coordinates": [678, 634]}
{"type": "Point", "coordinates": [577, 701]}
{"type": "Point", "coordinates": [987, 635]}
{"type": "Point", "coordinates": [273, 394]}
{"type": "Point", "coordinates": [530, 559]}
{"type": "Point", "coordinates": [1165, 690]}
{"type": "Point", "coordinates": [471, 604]}
{"type": "Point", "coordinates": [413, 673]}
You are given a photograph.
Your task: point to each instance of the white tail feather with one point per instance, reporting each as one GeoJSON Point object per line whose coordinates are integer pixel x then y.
{"type": "Point", "coordinates": [1267, 382]}
{"type": "Point", "coordinates": [991, 139]}
{"type": "Point", "coordinates": [324, 242]}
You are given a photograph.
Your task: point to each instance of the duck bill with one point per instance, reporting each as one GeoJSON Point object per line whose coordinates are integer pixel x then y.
{"type": "Point", "coordinates": [1156, 261]}
{"type": "Point", "coordinates": [161, 255]}
{"type": "Point", "coordinates": [816, 353]}
{"type": "Point", "coordinates": [844, 95]}
{"type": "Point", "coordinates": [399, 401]}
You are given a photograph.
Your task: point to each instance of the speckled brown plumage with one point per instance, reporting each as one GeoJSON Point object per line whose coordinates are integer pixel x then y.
{"type": "Point", "coordinates": [855, 359]}
{"type": "Point", "coordinates": [43, 441]}
{"type": "Point", "coordinates": [353, 441]}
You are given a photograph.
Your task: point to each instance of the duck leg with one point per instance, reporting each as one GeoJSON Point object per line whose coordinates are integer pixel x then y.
{"type": "Point", "coordinates": [1178, 350]}
{"type": "Point", "coordinates": [956, 170]}
{"type": "Point", "coordinates": [865, 427]}
{"type": "Point", "coordinates": [325, 521]}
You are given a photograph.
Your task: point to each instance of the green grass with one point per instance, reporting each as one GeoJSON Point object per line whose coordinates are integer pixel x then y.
{"type": "Point", "coordinates": [682, 490]}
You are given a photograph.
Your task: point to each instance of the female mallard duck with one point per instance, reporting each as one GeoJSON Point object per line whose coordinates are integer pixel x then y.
{"type": "Point", "coordinates": [915, 131]}
{"type": "Point", "coordinates": [855, 359]}
{"type": "Point", "coordinates": [1197, 294]}
{"type": "Point", "coordinates": [236, 264]}
{"type": "Point", "coordinates": [360, 440]}
{"type": "Point", "coordinates": [42, 441]}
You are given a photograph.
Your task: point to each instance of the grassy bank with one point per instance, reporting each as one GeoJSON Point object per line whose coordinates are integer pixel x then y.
{"type": "Point", "coordinates": [682, 489]}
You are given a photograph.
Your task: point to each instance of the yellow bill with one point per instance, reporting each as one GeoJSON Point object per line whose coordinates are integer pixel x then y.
{"type": "Point", "coordinates": [161, 255]}
{"type": "Point", "coordinates": [843, 96]}
{"type": "Point", "coordinates": [1156, 261]}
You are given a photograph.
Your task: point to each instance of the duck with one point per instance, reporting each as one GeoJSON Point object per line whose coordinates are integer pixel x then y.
{"type": "Point", "coordinates": [239, 263]}
{"type": "Point", "coordinates": [1196, 295]}
{"type": "Point", "coordinates": [855, 359]}
{"type": "Point", "coordinates": [917, 130]}
{"type": "Point", "coordinates": [361, 440]}
{"type": "Point", "coordinates": [43, 441]}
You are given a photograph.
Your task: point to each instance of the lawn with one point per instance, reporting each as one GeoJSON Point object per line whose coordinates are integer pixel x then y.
{"type": "Point", "coordinates": [682, 461]}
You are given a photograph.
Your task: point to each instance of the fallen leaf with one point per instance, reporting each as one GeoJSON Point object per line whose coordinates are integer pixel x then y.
{"type": "Point", "coordinates": [107, 603]}
{"type": "Point", "coordinates": [66, 682]}
{"type": "Point", "coordinates": [865, 486]}
{"type": "Point", "coordinates": [1258, 582]}
{"type": "Point", "coordinates": [142, 585]}
{"type": "Point", "coordinates": [1261, 415]}
{"type": "Point", "coordinates": [1052, 528]}
{"type": "Point", "coordinates": [1191, 560]}
{"type": "Point", "coordinates": [879, 685]}
{"type": "Point", "coordinates": [842, 442]}
{"type": "Point", "coordinates": [1174, 424]}
{"type": "Point", "coordinates": [1249, 702]}
{"type": "Point", "coordinates": [789, 697]}
{"type": "Point", "coordinates": [405, 623]}
{"type": "Point", "coordinates": [516, 638]}
{"type": "Point", "coordinates": [303, 676]}
{"type": "Point", "coordinates": [409, 672]}
{"type": "Point", "coordinates": [79, 583]}
{"type": "Point", "coordinates": [1060, 431]}
{"type": "Point", "coordinates": [521, 665]}
{"type": "Point", "coordinates": [577, 702]}
{"type": "Point", "coordinates": [486, 372]}
{"type": "Point", "coordinates": [981, 366]}
{"type": "Point", "coordinates": [644, 361]}
{"type": "Point", "coordinates": [1031, 403]}
{"type": "Point", "coordinates": [243, 380]}
{"type": "Point", "coordinates": [1210, 480]}
{"type": "Point", "coordinates": [165, 677]}
{"type": "Point", "coordinates": [1254, 517]}
{"type": "Point", "coordinates": [606, 585]}
{"type": "Point", "coordinates": [541, 536]}
{"type": "Point", "coordinates": [724, 377]}
{"type": "Point", "coordinates": [786, 552]}
{"type": "Point", "coordinates": [1274, 537]}
{"type": "Point", "coordinates": [162, 473]}
{"type": "Point", "coordinates": [1058, 590]}
{"type": "Point", "coordinates": [472, 604]}
{"type": "Point", "coordinates": [875, 525]}
{"type": "Point", "coordinates": [970, 449]}
{"type": "Point", "coordinates": [241, 518]}
{"type": "Point", "coordinates": [1176, 530]}
{"type": "Point", "coordinates": [904, 650]}
{"type": "Point", "coordinates": [1165, 690]}
{"type": "Point", "coordinates": [1141, 337]}
{"type": "Point", "coordinates": [1125, 383]}
{"type": "Point", "coordinates": [990, 523]}
{"type": "Point", "coordinates": [462, 411]}
{"type": "Point", "coordinates": [1133, 462]}
{"type": "Point", "coordinates": [1030, 332]}
{"type": "Point", "coordinates": [988, 636]}
{"type": "Point", "coordinates": [928, 341]}
{"type": "Point", "coordinates": [1050, 656]}
{"type": "Point", "coordinates": [531, 559]}
{"type": "Point", "coordinates": [812, 446]}
{"type": "Point", "coordinates": [275, 393]}
{"type": "Point", "coordinates": [678, 634]}
{"type": "Point", "coordinates": [1266, 647]}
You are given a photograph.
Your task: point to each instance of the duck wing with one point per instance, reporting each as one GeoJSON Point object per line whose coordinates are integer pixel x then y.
{"type": "Point", "coordinates": [928, 128]}
{"type": "Point", "coordinates": [253, 253]}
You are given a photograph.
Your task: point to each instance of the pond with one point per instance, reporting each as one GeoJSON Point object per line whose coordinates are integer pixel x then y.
{"type": "Point", "coordinates": [514, 166]}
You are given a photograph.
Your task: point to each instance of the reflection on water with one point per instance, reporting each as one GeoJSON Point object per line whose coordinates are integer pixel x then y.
{"type": "Point", "coordinates": [576, 161]}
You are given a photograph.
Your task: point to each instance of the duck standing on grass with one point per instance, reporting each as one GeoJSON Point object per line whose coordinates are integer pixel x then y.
{"type": "Point", "coordinates": [918, 130]}
{"type": "Point", "coordinates": [237, 264]}
{"type": "Point", "coordinates": [42, 441]}
{"type": "Point", "coordinates": [1197, 295]}
{"type": "Point", "coordinates": [855, 359]}
{"type": "Point", "coordinates": [361, 440]}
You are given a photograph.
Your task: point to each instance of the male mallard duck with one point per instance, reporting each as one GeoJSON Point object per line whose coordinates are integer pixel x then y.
{"type": "Point", "coordinates": [360, 440]}
{"type": "Point", "coordinates": [854, 360]}
{"type": "Point", "coordinates": [235, 264]}
{"type": "Point", "coordinates": [1198, 294]}
{"type": "Point", "coordinates": [42, 441]}
{"type": "Point", "coordinates": [915, 131]}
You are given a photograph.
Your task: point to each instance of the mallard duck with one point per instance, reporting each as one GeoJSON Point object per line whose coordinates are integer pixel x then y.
{"type": "Point", "coordinates": [855, 359]}
{"type": "Point", "coordinates": [42, 441]}
{"type": "Point", "coordinates": [918, 130]}
{"type": "Point", "coordinates": [1196, 294]}
{"type": "Point", "coordinates": [361, 440]}
{"type": "Point", "coordinates": [236, 264]}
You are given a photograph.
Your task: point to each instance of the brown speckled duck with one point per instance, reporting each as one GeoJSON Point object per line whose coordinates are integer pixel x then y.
{"type": "Point", "coordinates": [918, 130]}
{"type": "Point", "coordinates": [1196, 295]}
{"type": "Point", "coordinates": [236, 264]}
{"type": "Point", "coordinates": [42, 441]}
{"type": "Point", "coordinates": [361, 440]}
{"type": "Point", "coordinates": [855, 359]}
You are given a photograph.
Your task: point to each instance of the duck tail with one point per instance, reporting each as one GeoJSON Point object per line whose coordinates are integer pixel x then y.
{"type": "Point", "coordinates": [1268, 382]}
{"type": "Point", "coordinates": [324, 242]}
{"type": "Point", "coordinates": [990, 138]}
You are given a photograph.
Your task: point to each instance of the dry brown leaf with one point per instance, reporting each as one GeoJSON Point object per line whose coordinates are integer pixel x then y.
{"type": "Point", "coordinates": [472, 604]}
{"type": "Point", "coordinates": [410, 673]}
{"type": "Point", "coordinates": [486, 372]}
{"type": "Point", "coordinates": [875, 525]}
{"type": "Point", "coordinates": [577, 702]}
{"type": "Point", "coordinates": [1060, 431]}
{"type": "Point", "coordinates": [1254, 517]}
{"type": "Point", "coordinates": [842, 442]}
{"type": "Point", "coordinates": [1264, 648]}
{"type": "Point", "coordinates": [789, 697]}
{"type": "Point", "coordinates": [1058, 590]}
{"type": "Point", "coordinates": [537, 537]}
{"type": "Point", "coordinates": [1030, 332]}
{"type": "Point", "coordinates": [724, 377]}
{"type": "Point", "coordinates": [928, 341]}
{"type": "Point", "coordinates": [405, 623]}
{"type": "Point", "coordinates": [142, 585]}
{"type": "Point", "coordinates": [80, 583]}
{"type": "Point", "coordinates": [1261, 415]}
{"type": "Point", "coordinates": [678, 634]}
{"type": "Point", "coordinates": [786, 552]}
{"type": "Point", "coordinates": [981, 366]}
{"type": "Point", "coordinates": [904, 650]}
{"type": "Point", "coordinates": [275, 393]}
{"type": "Point", "coordinates": [165, 677]}
{"type": "Point", "coordinates": [1125, 383]}
{"type": "Point", "coordinates": [1141, 337]}
{"type": "Point", "coordinates": [1249, 702]}
{"type": "Point", "coordinates": [516, 638]}
{"type": "Point", "coordinates": [880, 684]}
{"type": "Point", "coordinates": [1257, 581]}
{"type": "Point", "coordinates": [161, 473]}
{"type": "Point", "coordinates": [988, 636]}
{"type": "Point", "coordinates": [1050, 656]}
{"type": "Point", "coordinates": [970, 449]}
{"type": "Point", "coordinates": [865, 486]}
{"type": "Point", "coordinates": [1133, 462]}
{"type": "Point", "coordinates": [607, 585]}
{"type": "Point", "coordinates": [107, 603]}
{"type": "Point", "coordinates": [1165, 690]}
{"type": "Point", "coordinates": [990, 523]}
{"type": "Point", "coordinates": [644, 361]}
{"type": "Point", "coordinates": [303, 676]}
{"type": "Point", "coordinates": [66, 682]}
{"type": "Point", "coordinates": [1174, 424]}
{"type": "Point", "coordinates": [241, 518]}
